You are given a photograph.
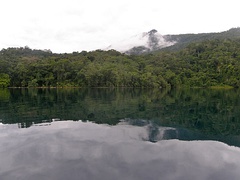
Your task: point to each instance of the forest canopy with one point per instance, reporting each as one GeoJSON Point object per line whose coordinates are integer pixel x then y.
{"type": "Point", "coordinates": [202, 64]}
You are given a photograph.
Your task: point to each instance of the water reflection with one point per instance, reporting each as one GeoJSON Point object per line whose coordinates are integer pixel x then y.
{"type": "Point", "coordinates": [157, 133]}
{"type": "Point", "coordinates": [196, 113]}
{"type": "Point", "coordinates": [85, 150]}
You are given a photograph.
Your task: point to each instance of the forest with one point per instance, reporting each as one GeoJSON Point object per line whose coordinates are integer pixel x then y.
{"type": "Point", "coordinates": [210, 63]}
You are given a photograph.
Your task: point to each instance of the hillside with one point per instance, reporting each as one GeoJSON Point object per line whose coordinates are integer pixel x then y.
{"type": "Point", "coordinates": [153, 41]}
{"type": "Point", "coordinates": [204, 64]}
{"type": "Point", "coordinates": [183, 40]}
{"type": "Point", "coordinates": [142, 43]}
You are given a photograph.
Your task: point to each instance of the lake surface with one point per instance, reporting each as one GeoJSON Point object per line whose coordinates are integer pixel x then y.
{"type": "Point", "coordinates": [119, 134]}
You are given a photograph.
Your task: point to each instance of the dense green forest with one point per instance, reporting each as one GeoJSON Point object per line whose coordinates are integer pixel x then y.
{"type": "Point", "coordinates": [184, 39]}
{"type": "Point", "coordinates": [202, 64]}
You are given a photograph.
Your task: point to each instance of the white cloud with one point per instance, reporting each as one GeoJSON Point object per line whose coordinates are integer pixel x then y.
{"type": "Point", "coordinates": [142, 39]}
{"type": "Point", "coordinates": [73, 25]}
{"type": "Point", "coordinates": [93, 151]}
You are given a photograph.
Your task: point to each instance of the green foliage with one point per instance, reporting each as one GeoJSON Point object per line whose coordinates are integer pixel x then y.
{"type": "Point", "coordinates": [33, 83]}
{"type": "Point", "coordinates": [183, 40]}
{"type": "Point", "coordinates": [202, 64]}
{"type": "Point", "coordinates": [4, 95]}
{"type": "Point", "coordinates": [4, 80]}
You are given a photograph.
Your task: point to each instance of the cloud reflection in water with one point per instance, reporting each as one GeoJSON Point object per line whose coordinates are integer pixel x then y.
{"type": "Point", "coordinates": [78, 150]}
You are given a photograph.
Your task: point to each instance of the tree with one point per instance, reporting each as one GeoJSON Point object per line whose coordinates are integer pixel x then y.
{"type": "Point", "coordinates": [4, 80]}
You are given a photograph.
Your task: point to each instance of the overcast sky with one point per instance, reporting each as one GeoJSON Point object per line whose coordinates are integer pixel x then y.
{"type": "Point", "coordinates": [76, 25]}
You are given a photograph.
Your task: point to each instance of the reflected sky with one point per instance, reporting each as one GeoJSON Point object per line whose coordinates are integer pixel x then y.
{"type": "Point", "coordinates": [195, 114]}
{"type": "Point", "coordinates": [84, 150]}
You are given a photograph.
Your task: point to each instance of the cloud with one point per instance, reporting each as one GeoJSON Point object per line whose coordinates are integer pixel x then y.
{"type": "Point", "coordinates": [151, 40]}
{"type": "Point", "coordinates": [90, 151]}
{"type": "Point", "coordinates": [93, 24]}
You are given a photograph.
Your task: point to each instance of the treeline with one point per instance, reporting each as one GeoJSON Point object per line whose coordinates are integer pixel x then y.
{"type": "Point", "coordinates": [184, 39]}
{"type": "Point", "coordinates": [209, 63]}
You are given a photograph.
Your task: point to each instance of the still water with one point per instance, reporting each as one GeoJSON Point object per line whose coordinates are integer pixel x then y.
{"type": "Point", "coordinates": [119, 134]}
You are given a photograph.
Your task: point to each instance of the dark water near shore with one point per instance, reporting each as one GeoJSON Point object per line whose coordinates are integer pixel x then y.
{"type": "Point", "coordinates": [119, 133]}
{"type": "Point", "coordinates": [194, 113]}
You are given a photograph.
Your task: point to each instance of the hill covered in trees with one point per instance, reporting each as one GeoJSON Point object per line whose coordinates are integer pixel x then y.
{"type": "Point", "coordinates": [182, 40]}
{"type": "Point", "coordinates": [153, 41]}
{"type": "Point", "coordinates": [214, 62]}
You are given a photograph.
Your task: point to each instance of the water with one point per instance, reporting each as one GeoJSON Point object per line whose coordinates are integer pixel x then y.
{"type": "Point", "coordinates": [119, 134]}
{"type": "Point", "coordinates": [194, 114]}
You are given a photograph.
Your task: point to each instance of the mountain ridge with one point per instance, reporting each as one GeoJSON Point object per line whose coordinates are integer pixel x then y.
{"type": "Point", "coordinates": [184, 39]}
{"type": "Point", "coordinates": [153, 41]}
{"type": "Point", "coordinates": [142, 43]}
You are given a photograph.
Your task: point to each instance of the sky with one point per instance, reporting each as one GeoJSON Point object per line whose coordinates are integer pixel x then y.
{"type": "Point", "coordinates": [77, 25]}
